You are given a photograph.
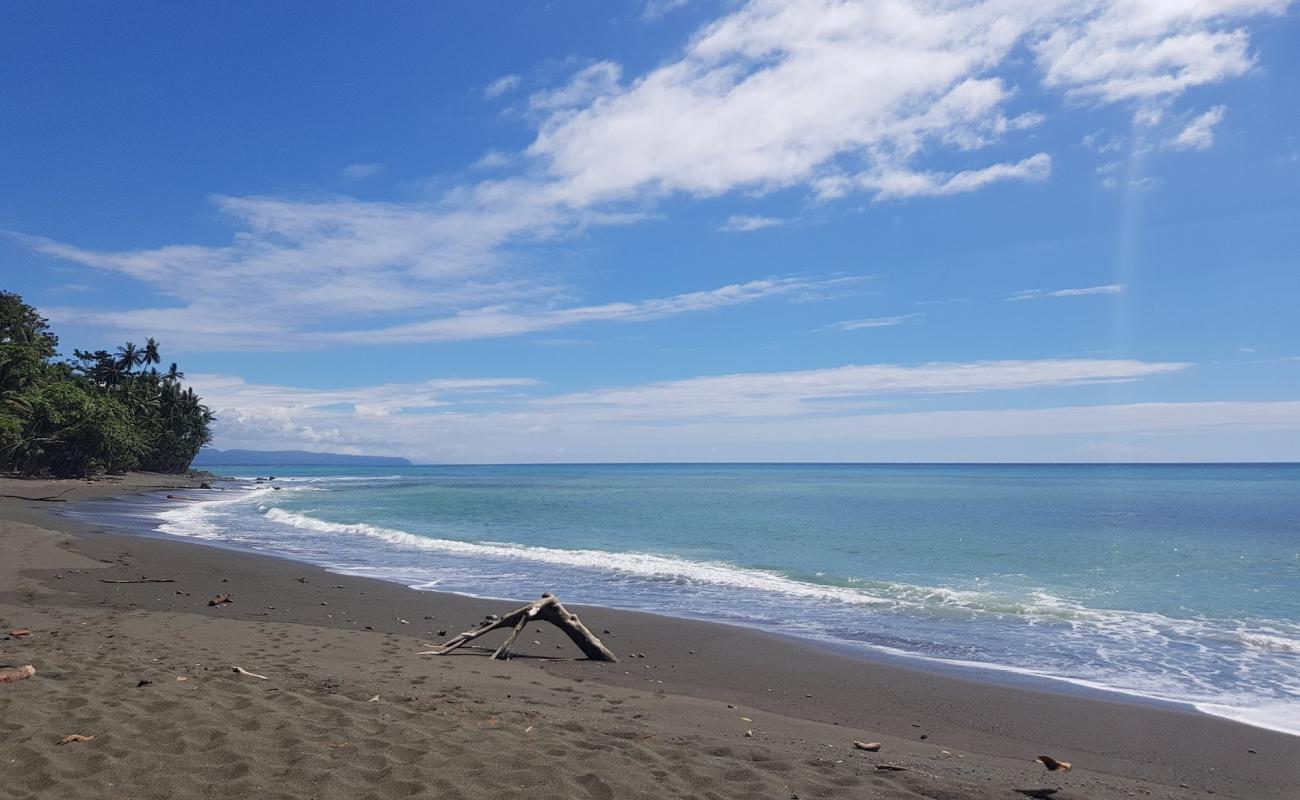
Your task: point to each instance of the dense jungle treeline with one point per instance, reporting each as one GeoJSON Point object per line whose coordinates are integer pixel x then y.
{"type": "Point", "coordinates": [96, 412]}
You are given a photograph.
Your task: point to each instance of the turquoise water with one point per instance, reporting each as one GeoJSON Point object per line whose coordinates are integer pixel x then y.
{"type": "Point", "coordinates": [1178, 583]}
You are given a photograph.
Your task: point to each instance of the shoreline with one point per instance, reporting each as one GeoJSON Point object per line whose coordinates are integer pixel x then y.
{"type": "Point", "coordinates": [869, 654]}
{"type": "Point", "coordinates": [977, 671]}
{"type": "Point", "coordinates": [795, 684]}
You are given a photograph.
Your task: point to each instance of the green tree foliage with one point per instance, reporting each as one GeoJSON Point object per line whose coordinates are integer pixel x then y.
{"type": "Point", "coordinates": [102, 411]}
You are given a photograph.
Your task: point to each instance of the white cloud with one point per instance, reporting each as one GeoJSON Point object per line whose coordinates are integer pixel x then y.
{"type": "Point", "coordinates": [896, 184]}
{"type": "Point", "coordinates": [842, 388]}
{"type": "Point", "coordinates": [844, 413]}
{"type": "Point", "coordinates": [654, 9]}
{"type": "Point", "coordinates": [879, 98]}
{"type": "Point", "coordinates": [587, 86]}
{"type": "Point", "coordinates": [1035, 294]}
{"type": "Point", "coordinates": [1118, 50]}
{"type": "Point", "coordinates": [875, 322]}
{"type": "Point", "coordinates": [1189, 431]}
{"type": "Point", "coordinates": [500, 86]}
{"type": "Point", "coordinates": [233, 392]}
{"type": "Point", "coordinates": [492, 159]}
{"type": "Point", "coordinates": [358, 172]}
{"type": "Point", "coordinates": [496, 322]}
{"type": "Point", "coordinates": [744, 223]}
{"type": "Point", "coordinates": [782, 92]}
{"type": "Point", "coordinates": [1199, 133]}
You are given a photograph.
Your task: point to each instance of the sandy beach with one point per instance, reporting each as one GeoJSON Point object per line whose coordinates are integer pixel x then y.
{"type": "Point", "coordinates": [348, 709]}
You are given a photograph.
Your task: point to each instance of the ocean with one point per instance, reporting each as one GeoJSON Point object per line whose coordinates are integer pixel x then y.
{"type": "Point", "coordinates": [1176, 583]}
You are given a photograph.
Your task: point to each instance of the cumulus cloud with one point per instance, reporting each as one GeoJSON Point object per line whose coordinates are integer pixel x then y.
{"type": "Point", "coordinates": [780, 93]}
{"type": "Point", "coordinates": [1036, 294]}
{"type": "Point", "coordinates": [1117, 50]}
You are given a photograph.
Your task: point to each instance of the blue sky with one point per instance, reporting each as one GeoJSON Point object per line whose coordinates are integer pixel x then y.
{"type": "Point", "coordinates": [468, 232]}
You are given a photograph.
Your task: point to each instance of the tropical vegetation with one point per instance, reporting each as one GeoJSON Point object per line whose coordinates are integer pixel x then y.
{"type": "Point", "coordinates": [99, 411]}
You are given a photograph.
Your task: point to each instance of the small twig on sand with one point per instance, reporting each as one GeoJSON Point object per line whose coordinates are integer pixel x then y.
{"type": "Point", "coordinates": [243, 671]}
{"type": "Point", "coordinates": [141, 580]}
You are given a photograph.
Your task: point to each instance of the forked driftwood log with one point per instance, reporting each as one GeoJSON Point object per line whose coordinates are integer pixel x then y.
{"type": "Point", "coordinates": [547, 609]}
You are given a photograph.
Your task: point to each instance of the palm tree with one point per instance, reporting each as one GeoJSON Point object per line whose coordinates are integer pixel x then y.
{"type": "Point", "coordinates": [173, 375]}
{"type": "Point", "coordinates": [150, 353]}
{"type": "Point", "coordinates": [128, 357]}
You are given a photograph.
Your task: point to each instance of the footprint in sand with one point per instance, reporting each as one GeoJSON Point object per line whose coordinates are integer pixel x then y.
{"type": "Point", "coordinates": [594, 786]}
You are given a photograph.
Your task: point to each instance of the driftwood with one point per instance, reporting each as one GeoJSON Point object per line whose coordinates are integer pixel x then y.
{"type": "Point", "coordinates": [547, 609]}
{"type": "Point", "coordinates": [141, 580]}
{"type": "Point", "coordinates": [54, 498]}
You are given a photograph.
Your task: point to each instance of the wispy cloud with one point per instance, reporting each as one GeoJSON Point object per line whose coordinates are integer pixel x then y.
{"type": "Point", "coordinates": [500, 86]}
{"type": "Point", "coordinates": [897, 184]}
{"type": "Point", "coordinates": [497, 322]}
{"type": "Point", "coordinates": [1036, 294]}
{"type": "Point", "coordinates": [492, 159]}
{"type": "Point", "coordinates": [654, 9]}
{"type": "Point", "coordinates": [945, 302]}
{"type": "Point", "coordinates": [874, 322]}
{"type": "Point", "coordinates": [1199, 133]}
{"type": "Point", "coordinates": [233, 392]}
{"type": "Point", "coordinates": [852, 413]}
{"type": "Point", "coordinates": [844, 388]}
{"type": "Point", "coordinates": [743, 223]}
{"type": "Point", "coordinates": [358, 172]}
{"type": "Point", "coordinates": [201, 326]}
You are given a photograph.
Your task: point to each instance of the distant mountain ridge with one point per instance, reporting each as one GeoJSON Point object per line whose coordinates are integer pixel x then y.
{"type": "Point", "coordinates": [211, 457]}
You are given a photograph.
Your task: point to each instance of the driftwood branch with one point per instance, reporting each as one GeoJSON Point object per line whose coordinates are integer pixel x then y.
{"type": "Point", "coordinates": [140, 580]}
{"type": "Point", "coordinates": [547, 609]}
{"type": "Point", "coordinates": [53, 498]}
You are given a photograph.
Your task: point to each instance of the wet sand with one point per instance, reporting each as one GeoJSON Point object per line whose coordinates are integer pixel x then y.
{"type": "Point", "coordinates": [693, 709]}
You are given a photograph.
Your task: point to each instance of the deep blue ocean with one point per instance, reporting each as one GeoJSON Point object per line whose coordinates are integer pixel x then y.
{"type": "Point", "coordinates": [1177, 583]}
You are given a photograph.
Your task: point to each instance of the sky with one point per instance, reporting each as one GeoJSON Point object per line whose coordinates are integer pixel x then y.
{"type": "Point", "coordinates": [676, 230]}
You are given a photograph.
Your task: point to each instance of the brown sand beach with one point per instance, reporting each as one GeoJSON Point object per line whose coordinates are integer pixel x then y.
{"type": "Point", "coordinates": [347, 709]}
